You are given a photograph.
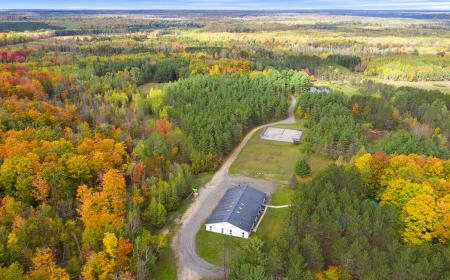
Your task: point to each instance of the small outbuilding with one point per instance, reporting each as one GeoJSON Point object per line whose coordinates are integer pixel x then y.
{"type": "Point", "coordinates": [238, 212]}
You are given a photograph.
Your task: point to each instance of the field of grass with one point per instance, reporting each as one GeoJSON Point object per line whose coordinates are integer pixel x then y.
{"type": "Point", "coordinates": [282, 195]}
{"type": "Point", "coordinates": [214, 247]}
{"type": "Point", "coordinates": [266, 159]}
{"type": "Point", "coordinates": [272, 225]}
{"type": "Point", "coordinates": [165, 268]}
{"type": "Point", "coordinates": [342, 86]}
{"type": "Point", "coordinates": [219, 248]}
{"type": "Point", "coordinates": [347, 88]}
{"type": "Point", "coordinates": [272, 160]}
{"type": "Point", "coordinates": [443, 86]}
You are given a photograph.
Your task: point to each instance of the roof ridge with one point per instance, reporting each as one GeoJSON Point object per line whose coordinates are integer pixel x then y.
{"type": "Point", "coordinates": [237, 202]}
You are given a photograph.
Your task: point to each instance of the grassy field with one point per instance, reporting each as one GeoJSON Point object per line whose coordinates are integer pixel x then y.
{"type": "Point", "coordinates": [272, 160]}
{"type": "Point", "coordinates": [342, 86]}
{"type": "Point", "coordinates": [214, 247]}
{"type": "Point", "coordinates": [272, 225]}
{"type": "Point", "coordinates": [443, 86]}
{"type": "Point", "coordinates": [349, 89]}
{"type": "Point", "coordinates": [165, 268]}
{"type": "Point", "coordinates": [266, 159]}
{"type": "Point", "coordinates": [282, 195]}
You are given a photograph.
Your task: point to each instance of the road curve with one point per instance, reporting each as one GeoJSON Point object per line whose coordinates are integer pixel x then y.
{"type": "Point", "coordinates": [190, 266]}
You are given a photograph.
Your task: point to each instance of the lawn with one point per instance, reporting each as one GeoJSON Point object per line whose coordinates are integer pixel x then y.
{"type": "Point", "coordinates": [165, 268]}
{"type": "Point", "coordinates": [272, 160]}
{"type": "Point", "coordinates": [267, 159]}
{"type": "Point", "coordinates": [272, 225]}
{"type": "Point", "coordinates": [282, 195]}
{"type": "Point", "coordinates": [218, 248]}
{"type": "Point", "coordinates": [214, 247]}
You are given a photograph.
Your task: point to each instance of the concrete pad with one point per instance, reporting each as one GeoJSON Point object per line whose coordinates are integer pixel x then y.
{"type": "Point", "coordinates": [281, 134]}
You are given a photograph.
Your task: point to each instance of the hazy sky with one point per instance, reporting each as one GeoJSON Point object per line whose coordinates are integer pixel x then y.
{"type": "Point", "coordinates": [228, 4]}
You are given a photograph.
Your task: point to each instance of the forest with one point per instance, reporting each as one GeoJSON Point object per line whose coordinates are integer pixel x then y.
{"type": "Point", "coordinates": [110, 123]}
{"type": "Point", "coordinates": [337, 230]}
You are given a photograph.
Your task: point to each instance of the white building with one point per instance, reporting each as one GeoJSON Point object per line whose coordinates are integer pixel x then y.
{"type": "Point", "coordinates": [238, 212]}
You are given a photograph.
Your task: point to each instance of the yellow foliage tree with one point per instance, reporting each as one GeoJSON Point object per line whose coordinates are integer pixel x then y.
{"type": "Point", "coordinates": [107, 264]}
{"type": "Point", "coordinates": [44, 267]}
{"type": "Point", "coordinates": [400, 191]}
{"type": "Point", "coordinates": [442, 225]}
{"type": "Point", "coordinates": [103, 211]}
{"type": "Point", "coordinates": [419, 217]}
{"type": "Point", "coordinates": [110, 244]}
{"type": "Point", "coordinates": [98, 267]}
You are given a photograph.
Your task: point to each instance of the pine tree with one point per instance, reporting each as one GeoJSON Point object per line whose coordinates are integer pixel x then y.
{"type": "Point", "coordinates": [302, 168]}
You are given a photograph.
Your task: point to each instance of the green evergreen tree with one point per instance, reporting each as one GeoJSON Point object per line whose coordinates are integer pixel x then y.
{"type": "Point", "coordinates": [302, 168]}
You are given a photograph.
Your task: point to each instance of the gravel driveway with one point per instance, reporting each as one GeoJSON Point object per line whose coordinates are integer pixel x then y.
{"type": "Point", "coordinates": [190, 266]}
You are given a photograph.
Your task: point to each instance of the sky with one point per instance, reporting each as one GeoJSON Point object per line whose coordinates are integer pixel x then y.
{"type": "Point", "coordinates": [229, 4]}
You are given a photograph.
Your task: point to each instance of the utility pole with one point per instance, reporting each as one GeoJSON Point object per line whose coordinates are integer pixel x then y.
{"type": "Point", "coordinates": [224, 257]}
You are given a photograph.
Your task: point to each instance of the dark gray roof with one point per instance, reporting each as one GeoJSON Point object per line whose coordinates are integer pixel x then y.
{"type": "Point", "coordinates": [239, 206]}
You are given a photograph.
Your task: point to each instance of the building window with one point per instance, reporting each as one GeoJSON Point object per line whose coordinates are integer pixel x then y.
{"type": "Point", "coordinates": [210, 227]}
{"type": "Point", "coordinates": [222, 230]}
{"type": "Point", "coordinates": [243, 233]}
{"type": "Point", "coordinates": [231, 232]}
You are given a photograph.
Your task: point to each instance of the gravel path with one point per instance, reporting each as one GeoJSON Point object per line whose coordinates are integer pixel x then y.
{"type": "Point", "coordinates": [190, 266]}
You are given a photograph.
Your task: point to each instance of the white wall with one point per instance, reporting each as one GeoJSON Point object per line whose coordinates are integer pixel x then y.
{"type": "Point", "coordinates": [225, 228]}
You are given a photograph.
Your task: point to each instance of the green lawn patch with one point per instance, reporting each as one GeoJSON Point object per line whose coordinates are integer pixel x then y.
{"type": "Point", "coordinates": [267, 159]}
{"type": "Point", "coordinates": [282, 196]}
{"type": "Point", "coordinates": [272, 225]}
{"type": "Point", "coordinates": [218, 248]}
{"type": "Point", "coordinates": [214, 247]}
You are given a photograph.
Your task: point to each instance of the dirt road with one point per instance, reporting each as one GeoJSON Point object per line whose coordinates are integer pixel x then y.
{"type": "Point", "coordinates": [190, 266]}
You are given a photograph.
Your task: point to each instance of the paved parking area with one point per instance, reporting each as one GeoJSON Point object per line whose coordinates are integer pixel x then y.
{"type": "Point", "coordinates": [281, 134]}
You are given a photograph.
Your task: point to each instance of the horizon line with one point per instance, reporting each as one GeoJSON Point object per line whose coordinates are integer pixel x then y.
{"type": "Point", "coordinates": [219, 9]}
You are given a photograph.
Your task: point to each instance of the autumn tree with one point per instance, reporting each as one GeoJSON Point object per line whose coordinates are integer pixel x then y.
{"type": "Point", "coordinates": [103, 211]}
{"type": "Point", "coordinates": [419, 217]}
{"type": "Point", "coordinates": [442, 225]}
{"type": "Point", "coordinates": [44, 266]}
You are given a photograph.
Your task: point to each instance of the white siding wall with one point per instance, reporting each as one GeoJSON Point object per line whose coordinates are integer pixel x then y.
{"type": "Point", "coordinates": [227, 229]}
